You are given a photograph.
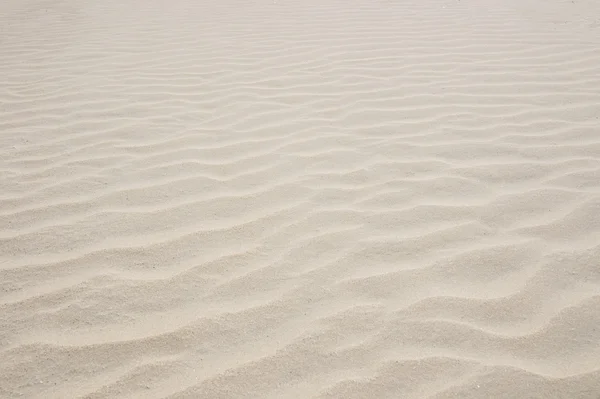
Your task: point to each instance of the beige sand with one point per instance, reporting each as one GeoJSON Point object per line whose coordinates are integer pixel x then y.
{"type": "Point", "coordinates": [300, 199]}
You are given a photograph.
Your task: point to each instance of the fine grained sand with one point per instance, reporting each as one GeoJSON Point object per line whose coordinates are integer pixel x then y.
{"type": "Point", "coordinates": [300, 199]}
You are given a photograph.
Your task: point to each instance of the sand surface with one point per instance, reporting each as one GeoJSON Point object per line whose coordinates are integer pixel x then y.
{"type": "Point", "coordinates": [300, 199]}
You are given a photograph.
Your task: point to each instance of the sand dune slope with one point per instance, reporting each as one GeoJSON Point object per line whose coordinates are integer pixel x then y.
{"type": "Point", "coordinates": [299, 199]}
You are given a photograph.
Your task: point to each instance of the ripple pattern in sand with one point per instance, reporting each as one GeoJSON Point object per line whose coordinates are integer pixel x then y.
{"type": "Point", "coordinates": [285, 199]}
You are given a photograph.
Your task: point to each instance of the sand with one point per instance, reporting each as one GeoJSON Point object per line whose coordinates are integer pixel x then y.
{"type": "Point", "coordinates": [300, 199]}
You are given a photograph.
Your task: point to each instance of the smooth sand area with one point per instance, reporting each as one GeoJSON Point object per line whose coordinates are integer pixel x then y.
{"type": "Point", "coordinates": [275, 199]}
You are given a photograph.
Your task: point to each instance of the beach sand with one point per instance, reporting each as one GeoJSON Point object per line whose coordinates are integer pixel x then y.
{"type": "Point", "coordinates": [300, 199]}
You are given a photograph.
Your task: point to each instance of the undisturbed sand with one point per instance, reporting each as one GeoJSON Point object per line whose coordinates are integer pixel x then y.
{"type": "Point", "coordinates": [300, 199]}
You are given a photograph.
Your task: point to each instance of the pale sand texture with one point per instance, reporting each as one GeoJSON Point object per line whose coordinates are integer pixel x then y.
{"type": "Point", "coordinates": [300, 199]}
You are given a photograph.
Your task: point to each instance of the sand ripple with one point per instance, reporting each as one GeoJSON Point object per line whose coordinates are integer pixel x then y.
{"type": "Point", "coordinates": [286, 199]}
